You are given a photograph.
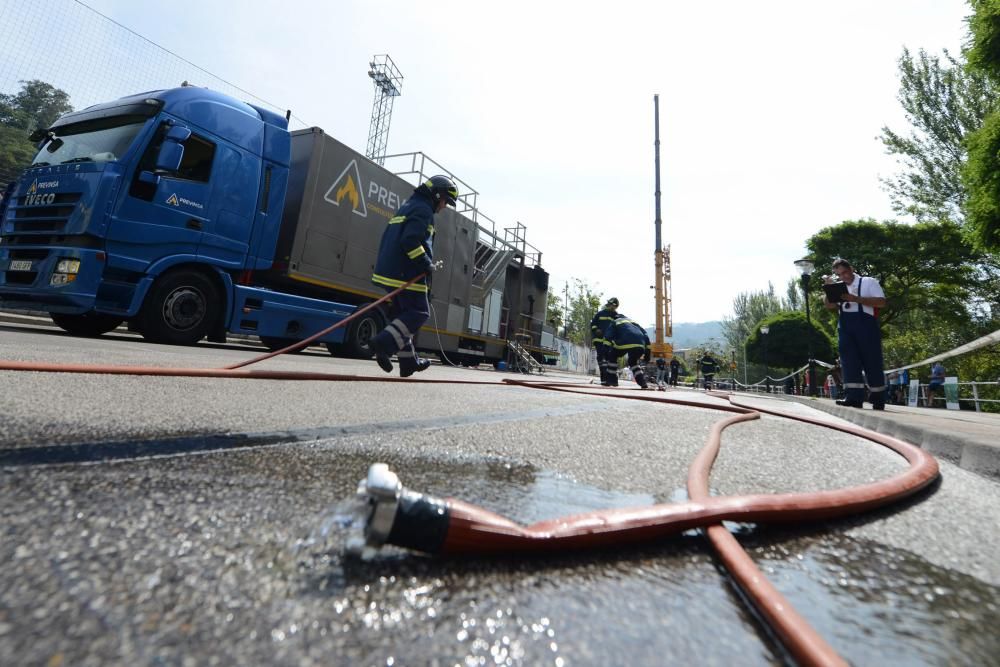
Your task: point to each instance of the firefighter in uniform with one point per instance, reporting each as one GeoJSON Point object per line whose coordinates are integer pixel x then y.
{"type": "Point", "coordinates": [625, 337]}
{"type": "Point", "coordinates": [407, 250]}
{"type": "Point", "coordinates": [598, 325]}
{"type": "Point", "coordinates": [859, 337]}
{"type": "Point", "coordinates": [709, 367]}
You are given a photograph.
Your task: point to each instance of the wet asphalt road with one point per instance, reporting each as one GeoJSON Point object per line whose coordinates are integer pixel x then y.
{"type": "Point", "coordinates": [111, 556]}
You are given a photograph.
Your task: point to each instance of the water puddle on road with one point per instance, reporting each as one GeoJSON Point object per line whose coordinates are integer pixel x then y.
{"type": "Point", "coordinates": [665, 603]}
{"type": "Point", "coordinates": [881, 605]}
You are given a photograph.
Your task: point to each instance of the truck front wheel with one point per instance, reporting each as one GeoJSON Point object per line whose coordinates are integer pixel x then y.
{"type": "Point", "coordinates": [180, 309]}
{"type": "Point", "coordinates": [87, 324]}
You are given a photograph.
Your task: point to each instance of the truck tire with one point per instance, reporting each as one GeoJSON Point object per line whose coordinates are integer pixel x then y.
{"type": "Point", "coordinates": [360, 333]}
{"type": "Point", "coordinates": [87, 324]}
{"type": "Point", "coordinates": [272, 343]}
{"type": "Point", "coordinates": [180, 309]}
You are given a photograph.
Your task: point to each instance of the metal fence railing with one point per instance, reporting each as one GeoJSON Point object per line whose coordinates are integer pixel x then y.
{"type": "Point", "coordinates": [973, 392]}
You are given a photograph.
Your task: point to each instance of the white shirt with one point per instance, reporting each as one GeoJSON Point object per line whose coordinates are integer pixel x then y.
{"type": "Point", "coordinates": [869, 287]}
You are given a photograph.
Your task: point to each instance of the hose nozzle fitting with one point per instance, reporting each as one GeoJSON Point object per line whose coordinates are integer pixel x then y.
{"type": "Point", "coordinates": [392, 514]}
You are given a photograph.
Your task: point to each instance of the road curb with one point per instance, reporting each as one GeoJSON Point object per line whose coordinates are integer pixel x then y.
{"type": "Point", "coordinates": [962, 449]}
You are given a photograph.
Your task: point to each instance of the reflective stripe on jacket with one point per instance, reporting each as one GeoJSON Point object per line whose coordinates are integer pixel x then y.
{"type": "Point", "coordinates": [624, 334]}
{"type": "Point", "coordinates": [599, 324]}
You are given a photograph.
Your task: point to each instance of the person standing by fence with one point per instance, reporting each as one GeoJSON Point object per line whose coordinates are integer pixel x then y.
{"type": "Point", "coordinates": [936, 385]}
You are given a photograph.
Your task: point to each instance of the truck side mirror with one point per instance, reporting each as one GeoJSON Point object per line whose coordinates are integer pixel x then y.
{"type": "Point", "coordinates": [169, 158]}
{"type": "Point", "coordinates": [172, 150]}
{"type": "Point", "coordinates": [170, 155]}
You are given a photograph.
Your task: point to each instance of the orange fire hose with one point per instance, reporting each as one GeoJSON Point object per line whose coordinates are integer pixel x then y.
{"type": "Point", "coordinates": [472, 529]}
{"type": "Point", "coordinates": [316, 336]}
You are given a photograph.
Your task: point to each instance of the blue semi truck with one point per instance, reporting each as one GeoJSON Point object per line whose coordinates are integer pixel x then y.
{"type": "Point", "coordinates": [189, 214]}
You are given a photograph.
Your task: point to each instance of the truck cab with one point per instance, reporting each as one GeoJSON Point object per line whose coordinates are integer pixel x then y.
{"type": "Point", "coordinates": [149, 209]}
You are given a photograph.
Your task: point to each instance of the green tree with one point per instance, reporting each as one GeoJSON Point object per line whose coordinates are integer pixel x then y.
{"type": "Point", "coordinates": [982, 178]}
{"type": "Point", "coordinates": [38, 104]}
{"type": "Point", "coordinates": [983, 53]}
{"type": "Point", "coordinates": [788, 340]}
{"type": "Point", "coordinates": [16, 153]}
{"type": "Point", "coordinates": [749, 308]}
{"type": "Point", "coordinates": [554, 311]}
{"type": "Point", "coordinates": [583, 303]}
{"type": "Point", "coordinates": [793, 296]}
{"type": "Point", "coordinates": [979, 176]}
{"type": "Point", "coordinates": [943, 102]}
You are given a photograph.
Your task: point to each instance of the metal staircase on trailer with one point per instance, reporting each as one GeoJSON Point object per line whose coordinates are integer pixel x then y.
{"type": "Point", "coordinates": [491, 263]}
{"type": "Point", "coordinates": [522, 359]}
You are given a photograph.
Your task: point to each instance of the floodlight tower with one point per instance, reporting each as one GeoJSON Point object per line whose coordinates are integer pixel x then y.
{"type": "Point", "coordinates": [388, 83]}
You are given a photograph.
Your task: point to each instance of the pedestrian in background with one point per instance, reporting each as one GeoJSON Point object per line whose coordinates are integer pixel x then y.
{"type": "Point", "coordinates": [892, 381]}
{"type": "Point", "coordinates": [675, 370]}
{"type": "Point", "coordinates": [661, 372]}
{"type": "Point", "coordinates": [859, 337]}
{"type": "Point", "coordinates": [936, 385]}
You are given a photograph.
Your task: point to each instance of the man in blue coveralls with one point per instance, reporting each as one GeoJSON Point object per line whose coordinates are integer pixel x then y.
{"type": "Point", "coordinates": [407, 250]}
{"type": "Point", "coordinates": [859, 338]}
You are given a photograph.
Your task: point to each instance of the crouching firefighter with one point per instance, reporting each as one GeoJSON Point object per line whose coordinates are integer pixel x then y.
{"type": "Point", "coordinates": [625, 337]}
{"type": "Point", "coordinates": [406, 251]}
{"type": "Point", "coordinates": [598, 325]}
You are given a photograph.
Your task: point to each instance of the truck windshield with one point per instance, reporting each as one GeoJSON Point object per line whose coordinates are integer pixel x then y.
{"type": "Point", "coordinates": [103, 140]}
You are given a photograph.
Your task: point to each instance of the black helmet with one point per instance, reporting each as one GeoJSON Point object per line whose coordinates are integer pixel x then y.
{"type": "Point", "coordinates": [612, 303]}
{"type": "Point", "coordinates": [441, 186]}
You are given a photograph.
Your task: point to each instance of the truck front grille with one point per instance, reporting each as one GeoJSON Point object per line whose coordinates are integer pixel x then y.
{"type": "Point", "coordinates": [44, 219]}
{"type": "Point", "coordinates": [21, 277]}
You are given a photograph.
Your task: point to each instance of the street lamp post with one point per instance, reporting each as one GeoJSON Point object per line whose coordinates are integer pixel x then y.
{"type": "Point", "coordinates": [767, 373]}
{"type": "Point", "coordinates": [805, 267]}
{"type": "Point", "coordinates": [566, 311]}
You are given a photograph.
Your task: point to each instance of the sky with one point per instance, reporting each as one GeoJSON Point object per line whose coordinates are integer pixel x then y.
{"type": "Point", "coordinates": [770, 114]}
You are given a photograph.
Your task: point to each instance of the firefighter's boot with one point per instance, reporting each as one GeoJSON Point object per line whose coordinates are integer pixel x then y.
{"type": "Point", "coordinates": [409, 366]}
{"type": "Point", "coordinates": [381, 356]}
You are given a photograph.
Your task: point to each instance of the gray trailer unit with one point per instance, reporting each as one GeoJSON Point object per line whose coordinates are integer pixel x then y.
{"type": "Point", "coordinates": [338, 205]}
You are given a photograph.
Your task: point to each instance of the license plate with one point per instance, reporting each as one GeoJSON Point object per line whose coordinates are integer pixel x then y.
{"type": "Point", "coordinates": [19, 265]}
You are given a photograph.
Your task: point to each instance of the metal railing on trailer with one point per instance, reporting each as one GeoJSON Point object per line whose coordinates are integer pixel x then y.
{"type": "Point", "coordinates": [512, 239]}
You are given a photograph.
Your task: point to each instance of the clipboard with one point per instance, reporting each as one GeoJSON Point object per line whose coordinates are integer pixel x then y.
{"type": "Point", "coordinates": [835, 291]}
